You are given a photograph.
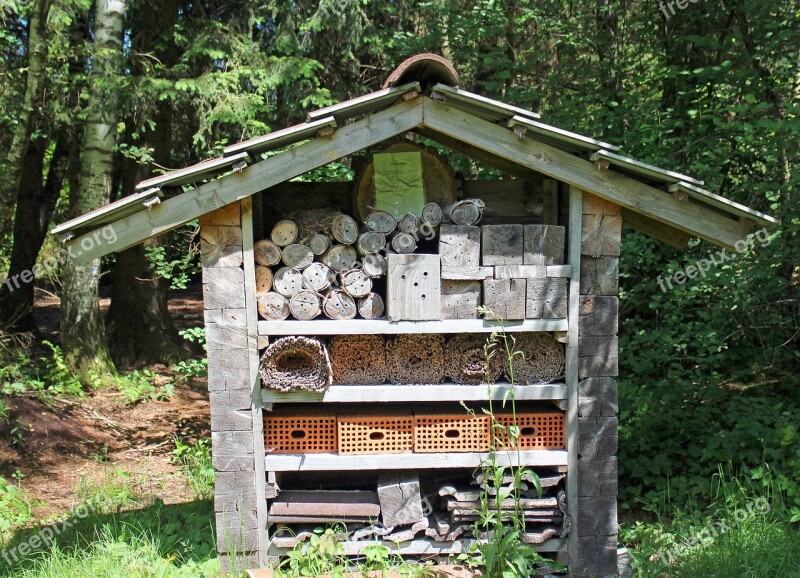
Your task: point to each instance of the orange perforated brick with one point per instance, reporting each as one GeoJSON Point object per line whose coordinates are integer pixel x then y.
{"type": "Point", "coordinates": [542, 430]}
{"type": "Point", "coordinates": [450, 433]}
{"type": "Point", "coordinates": [300, 434]}
{"type": "Point", "coordinates": [386, 433]}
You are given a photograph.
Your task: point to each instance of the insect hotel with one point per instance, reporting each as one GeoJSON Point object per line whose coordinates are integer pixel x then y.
{"type": "Point", "coordinates": [346, 321]}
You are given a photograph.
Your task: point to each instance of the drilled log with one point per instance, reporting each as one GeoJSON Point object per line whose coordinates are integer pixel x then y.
{"type": "Point", "coordinates": [266, 253]}
{"type": "Point", "coordinates": [272, 306]}
{"type": "Point", "coordinates": [287, 281]}
{"type": "Point", "coordinates": [541, 359]}
{"type": "Point", "coordinates": [432, 214]}
{"type": "Point", "coordinates": [293, 363]}
{"type": "Point", "coordinates": [284, 233]}
{"type": "Point", "coordinates": [297, 256]}
{"type": "Point", "coordinates": [305, 305]}
{"type": "Point", "coordinates": [466, 212]}
{"type": "Point", "coordinates": [340, 257]}
{"type": "Point", "coordinates": [344, 229]}
{"type": "Point", "coordinates": [408, 223]}
{"type": "Point", "coordinates": [375, 265]}
{"type": "Point", "coordinates": [370, 243]}
{"type": "Point", "coordinates": [355, 283]}
{"type": "Point", "coordinates": [403, 242]}
{"type": "Point", "coordinates": [381, 222]}
{"type": "Point", "coordinates": [318, 277]}
{"type": "Point", "coordinates": [358, 359]}
{"type": "Point", "coordinates": [371, 306]}
{"type": "Point", "coordinates": [415, 358]}
{"type": "Point", "coordinates": [263, 280]}
{"type": "Point", "coordinates": [467, 357]}
{"type": "Point", "coordinates": [339, 305]}
{"type": "Point", "coordinates": [319, 243]}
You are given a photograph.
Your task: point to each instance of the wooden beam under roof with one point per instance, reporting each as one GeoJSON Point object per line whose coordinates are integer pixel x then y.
{"type": "Point", "coordinates": [659, 231]}
{"type": "Point", "coordinates": [726, 205]}
{"type": "Point", "coordinates": [111, 212]}
{"type": "Point", "coordinates": [610, 185]}
{"type": "Point", "coordinates": [194, 173]}
{"type": "Point", "coordinates": [281, 138]}
{"type": "Point", "coordinates": [364, 104]}
{"type": "Point", "coordinates": [173, 212]}
{"type": "Point", "coordinates": [642, 169]}
{"type": "Point", "coordinates": [481, 106]}
{"type": "Point", "coordinates": [559, 135]}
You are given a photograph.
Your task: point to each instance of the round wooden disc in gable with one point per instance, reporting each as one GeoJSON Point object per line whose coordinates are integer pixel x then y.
{"type": "Point", "coordinates": [438, 180]}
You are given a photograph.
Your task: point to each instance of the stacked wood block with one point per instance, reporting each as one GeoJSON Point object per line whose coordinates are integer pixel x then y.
{"type": "Point", "coordinates": [324, 507]}
{"type": "Point", "coordinates": [230, 382]}
{"type": "Point", "coordinates": [597, 392]}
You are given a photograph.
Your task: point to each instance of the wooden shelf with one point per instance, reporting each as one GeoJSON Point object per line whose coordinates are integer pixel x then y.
{"type": "Point", "coordinates": [388, 393]}
{"type": "Point", "coordinates": [422, 546]}
{"type": "Point", "coordinates": [384, 326]}
{"type": "Point", "coordinates": [413, 461]}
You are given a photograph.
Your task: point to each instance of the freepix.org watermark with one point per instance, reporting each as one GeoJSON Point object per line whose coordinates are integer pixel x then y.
{"type": "Point", "coordinates": [105, 235]}
{"type": "Point", "coordinates": [668, 6]}
{"type": "Point", "coordinates": [703, 266]}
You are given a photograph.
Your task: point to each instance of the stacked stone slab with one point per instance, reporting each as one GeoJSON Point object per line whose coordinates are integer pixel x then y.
{"type": "Point", "coordinates": [597, 389]}
{"type": "Point", "coordinates": [230, 383]}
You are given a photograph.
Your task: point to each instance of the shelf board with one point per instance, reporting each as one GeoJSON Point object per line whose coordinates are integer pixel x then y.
{"type": "Point", "coordinates": [412, 461]}
{"type": "Point", "coordinates": [384, 326]}
{"type": "Point", "coordinates": [389, 393]}
{"type": "Point", "coordinates": [422, 546]}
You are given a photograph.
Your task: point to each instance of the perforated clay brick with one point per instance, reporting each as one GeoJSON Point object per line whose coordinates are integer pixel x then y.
{"type": "Point", "coordinates": [300, 434]}
{"type": "Point", "coordinates": [375, 434]}
{"type": "Point", "coordinates": [544, 430]}
{"type": "Point", "coordinates": [435, 433]}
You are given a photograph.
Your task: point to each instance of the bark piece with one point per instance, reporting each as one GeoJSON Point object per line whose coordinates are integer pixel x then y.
{"type": "Point", "coordinates": [541, 359]}
{"type": "Point", "coordinates": [358, 359]}
{"type": "Point", "coordinates": [413, 358]}
{"type": "Point", "coordinates": [292, 363]}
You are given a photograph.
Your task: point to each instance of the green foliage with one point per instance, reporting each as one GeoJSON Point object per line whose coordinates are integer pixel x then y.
{"type": "Point", "coordinates": [193, 367]}
{"type": "Point", "coordinates": [322, 553]}
{"type": "Point", "coordinates": [195, 461]}
{"type": "Point", "coordinates": [178, 262]}
{"type": "Point", "coordinates": [15, 507]}
{"type": "Point", "coordinates": [140, 385]}
{"type": "Point", "coordinates": [51, 376]}
{"type": "Point", "coordinates": [115, 491]}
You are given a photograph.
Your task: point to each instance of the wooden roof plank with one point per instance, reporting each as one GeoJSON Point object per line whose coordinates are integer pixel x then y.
{"type": "Point", "coordinates": [560, 135]}
{"type": "Point", "coordinates": [363, 104]}
{"type": "Point", "coordinates": [116, 210]}
{"type": "Point", "coordinates": [308, 156]}
{"type": "Point", "coordinates": [194, 173]}
{"type": "Point", "coordinates": [281, 138]}
{"type": "Point", "coordinates": [659, 231]}
{"type": "Point", "coordinates": [725, 204]}
{"type": "Point", "coordinates": [477, 104]}
{"type": "Point", "coordinates": [610, 185]}
{"type": "Point", "coordinates": [642, 169]}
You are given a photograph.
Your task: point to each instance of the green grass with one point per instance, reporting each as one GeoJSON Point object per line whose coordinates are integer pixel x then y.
{"type": "Point", "coordinates": [195, 461]}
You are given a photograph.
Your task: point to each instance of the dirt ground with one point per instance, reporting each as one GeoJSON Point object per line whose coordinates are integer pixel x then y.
{"type": "Point", "coordinates": [89, 439]}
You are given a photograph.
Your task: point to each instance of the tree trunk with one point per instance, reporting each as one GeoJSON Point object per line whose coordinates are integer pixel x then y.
{"type": "Point", "coordinates": [82, 327]}
{"type": "Point", "coordinates": [34, 89]}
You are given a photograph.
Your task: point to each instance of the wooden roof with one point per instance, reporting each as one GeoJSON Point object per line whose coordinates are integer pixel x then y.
{"type": "Point", "coordinates": [659, 202]}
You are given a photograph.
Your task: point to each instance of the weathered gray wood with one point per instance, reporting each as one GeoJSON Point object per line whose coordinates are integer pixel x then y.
{"type": "Point", "coordinates": [371, 306]}
{"type": "Point", "coordinates": [414, 288]}
{"type": "Point", "coordinates": [602, 235]}
{"type": "Point", "coordinates": [375, 265]}
{"type": "Point", "coordinates": [381, 222]}
{"type": "Point", "coordinates": [543, 245]}
{"type": "Point", "coordinates": [460, 299]}
{"type": "Point", "coordinates": [550, 201]}
{"type": "Point", "coordinates": [520, 272]}
{"type": "Point", "coordinates": [232, 462]}
{"type": "Point", "coordinates": [467, 273]}
{"type": "Point", "coordinates": [232, 442]}
{"type": "Point", "coordinates": [222, 235]}
{"type": "Point", "coordinates": [266, 253]}
{"type": "Point", "coordinates": [232, 317]}
{"type": "Point", "coordinates": [598, 557]}
{"type": "Point", "coordinates": [599, 315]}
{"type": "Point", "coordinates": [344, 229]}
{"type": "Point", "coordinates": [408, 223]}
{"type": "Point", "coordinates": [284, 233]}
{"type": "Point", "coordinates": [502, 244]}
{"type": "Point", "coordinates": [237, 531]}
{"type": "Point", "coordinates": [597, 515]}
{"type": "Point", "coordinates": [403, 242]}
{"type": "Point", "coordinates": [225, 419]}
{"type": "Point", "coordinates": [213, 256]}
{"type": "Point", "coordinates": [339, 305]}
{"type": "Point", "coordinates": [598, 397]}
{"type": "Point", "coordinates": [340, 258]}
{"type": "Point", "coordinates": [547, 298]}
{"type": "Point", "coordinates": [600, 275]}
{"type": "Point", "coordinates": [599, 356]}
{"type": "Point", "coordinates": [317, 277]}
{"type": "Point", "coordinates": [305, 305]}
{"type": "Point", "coordinates": [464, 212]}
{"type": "Point", "coordinates": [400, 499]}
{"type": "Point", "coordinates": [432, 214]}
{"type": "Point", "coordinates": [227, 369]}
{"type": "Point", "coordinates": [225, 337]}
{"type": "Point", "coordinates": [319, 243]}
{"type": "Point", "coordinates": [370, 243]}
{"type": "Point", "coordinates": [287, 281]}
{"type": "Point", "coordinates": [505, 297]}
{"type": "Point", "coordinates": [386, 327]}
{"type": "Point", "coordinates": [652, 228]}
{"type": "Point", "coordinates": [297, 256]}
{"type": "Point", "coordinates": [243, 500]}
{"type": "Point", "coordinates": [356, 283]}
{"type": "Point", "coordinates": [598, 477]}
{"type": "Point", "coordinates": [227, 483]}
{"type": "Point", "coordinates": [460, 246]}
{"type": "Point", "coordinates": [597, 436]}
{"type": "Point", "coordinates": [273, 306]}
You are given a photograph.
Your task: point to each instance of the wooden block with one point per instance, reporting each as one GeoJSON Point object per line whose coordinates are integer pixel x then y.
{"type": "Point", "coordinates": [597, 436]}
{"type": "Point", "coordinates": [235, 502]}
{"type": "Point", "coordinates": [224, 418]}
{"type": "Point", "coordinates": [225, 337]}
{"type": "Point", "coordinates": [232, 442]}
{"type": "Point", "coordinates": [598, 356]}
{"type": "Point", "coordinates": [546, 298]}
{"type": "Point", "coordinates": [232, 463]}
{"type": "Point", "coordinates": [414, 288]}
{"type": "Point", "coordinates": [520, 272]}
{"type": "Point", "coordinates": [212, 256]}
{"type": "Point", "coordinates": [230, 317]}
{"type": "Point", "coordinates": [596, 556]}
{"type": "Point", "coordinates": [601, 235]}
{"type": "Point", "coordinates": [228, 370]}
{"type": "Point", "coordinates": [599, 315]}
{"type": "Point", "coordinates": [467, 273]}
{"type": "Point", "coordinates": [326, 503]}
{"type": "Point", "coordinates": [594, 205]}
{"type": "Point", "coordinates": [559, 271]}
{"type": "Point", "coordinates": [221, 236]}
{"type": "Point", "coordinates": [543, 245]}
{"type": "Point", "coordinates": [598, 476]}
{"type": "Point", "coordinates": [460, 245]}
{"type": "Point", "coordinates": [236, 531]}
{"type": "Point", "coordinates": [227, 215]}
{"type": "Point", "coordinates": [598, 397]}
{"type": "Point", "coordinates": [233, 483]}
{"type": "Point", "coordinates": [597, 515]}
{"type": "Point", "coordinates": [502, 244]}
{"type": "Point", "coordinates": [223, 288]}
{"type": "Point", "coordinates": [505, 297]}
{"type": "Point", "coordinates": [460, 299]}
{"type": "Point", "coordinates": [600, 275]}
{"type": "Point", "coordinates": [400, 499]}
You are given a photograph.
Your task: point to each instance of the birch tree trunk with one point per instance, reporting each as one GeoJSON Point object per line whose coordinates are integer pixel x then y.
{"type": "Point", "coordinates": [82, 327]}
